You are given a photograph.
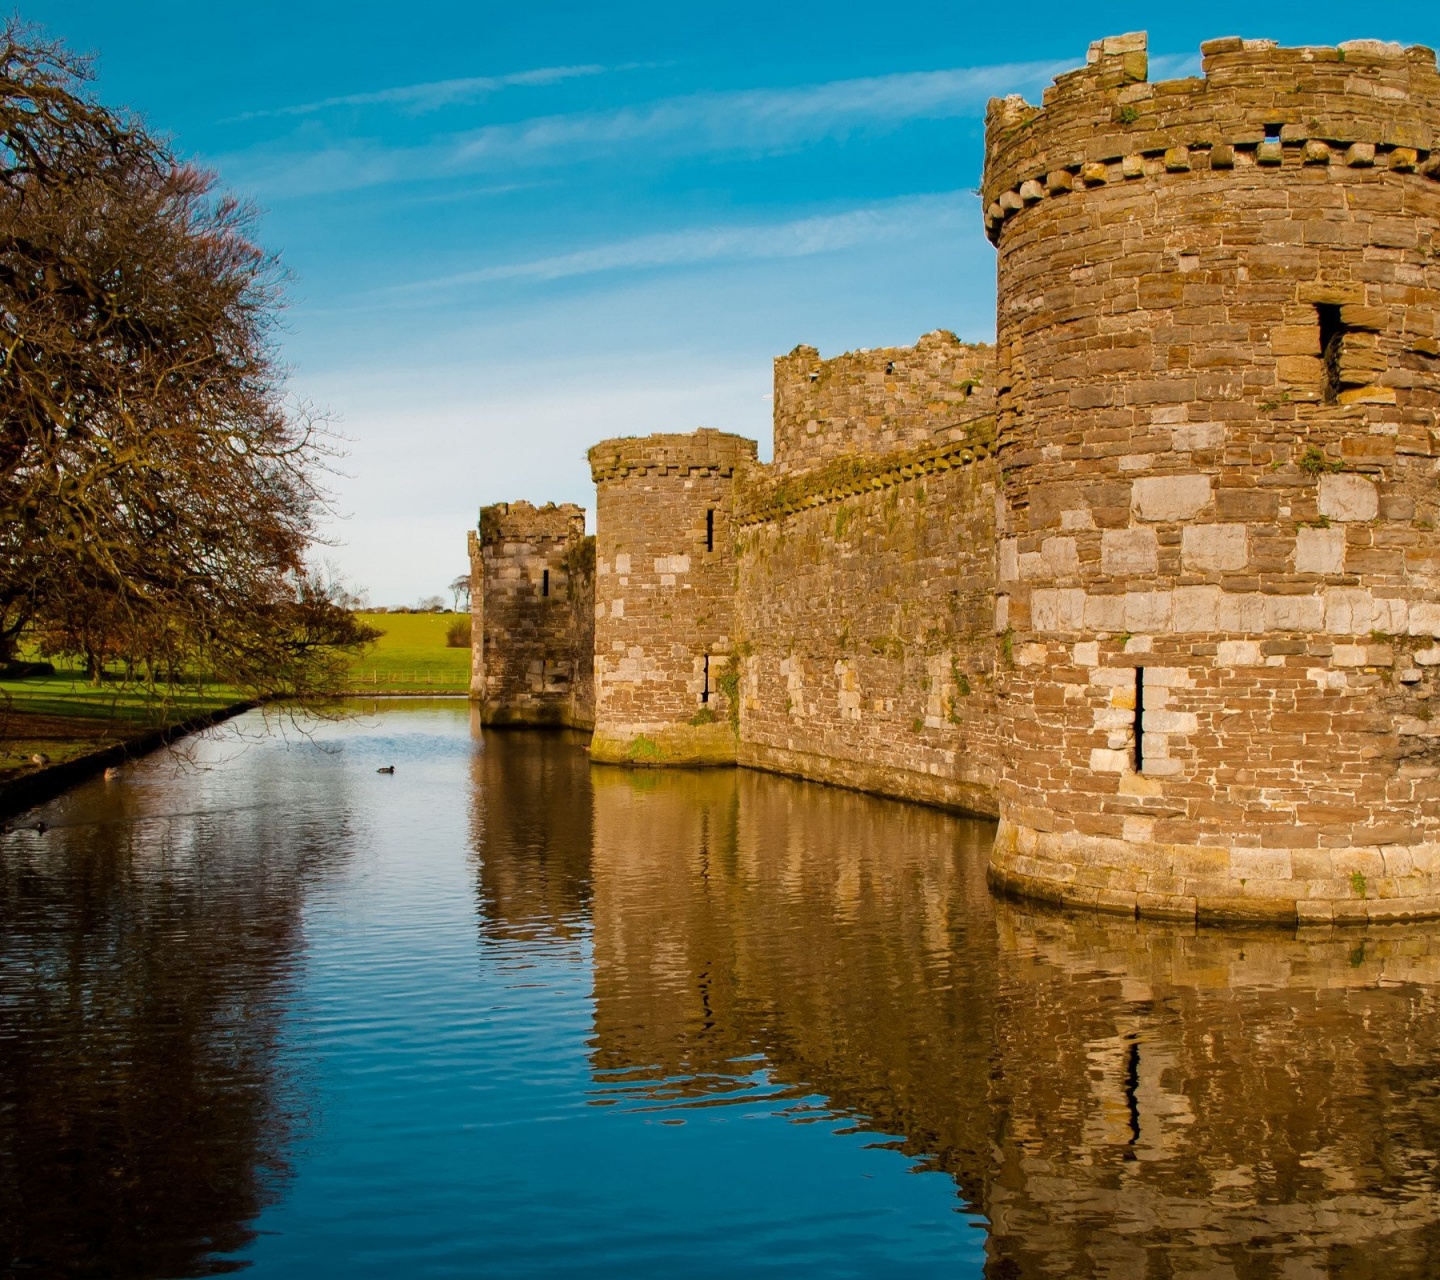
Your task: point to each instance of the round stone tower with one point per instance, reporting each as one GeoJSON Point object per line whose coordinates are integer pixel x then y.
{"type": "Point", "coordinates": [1219, 571]}
{"type": "Point", "coordinates": [665, 681]}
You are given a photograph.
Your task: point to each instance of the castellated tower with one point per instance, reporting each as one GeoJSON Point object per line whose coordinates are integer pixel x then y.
{"type": "Point", "coordinates": [1219, 571]}
{"type": "Point", "coordinates": [665, 598]}
{"type": "Point", "coordinates": [532, 615]}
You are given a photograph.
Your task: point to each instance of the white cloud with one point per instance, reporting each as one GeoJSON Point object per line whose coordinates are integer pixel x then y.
{"type": "Point", "coordinates": [741, 121]}
{"type": "Point", "coordinates": [434, 93]}
{"type": "Point", "coordinates": [798, 238]}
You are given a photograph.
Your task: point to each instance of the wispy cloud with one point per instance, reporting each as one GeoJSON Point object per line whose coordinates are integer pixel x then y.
{"type": "Point", "coordinates": [716, 123]}
{"type": "Point", "coordinates": [803, 237]}
{"type": "Point", "coordinates": [435, 93]}
{"type": "Point", "coordinates": [753, 119]}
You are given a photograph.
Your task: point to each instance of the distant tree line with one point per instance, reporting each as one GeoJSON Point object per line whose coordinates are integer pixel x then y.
{"type": "Point", "coordinates": [158, 492]}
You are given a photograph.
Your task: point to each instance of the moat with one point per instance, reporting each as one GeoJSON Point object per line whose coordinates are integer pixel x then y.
{"type": "Point", "coordinates": [508, 1013]}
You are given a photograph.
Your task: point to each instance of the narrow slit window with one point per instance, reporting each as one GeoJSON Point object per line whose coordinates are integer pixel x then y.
{"type": "Point", "coordinates": [545, 583]}
{"type": "Point", "coordinates": [1332, 333]}
{"type": "Point", "coordinates": [1139, 719]}
{"type": "Point", "coordinates": [705, 688]}
{"type": "Point", "coordinates": [1272, 132]}
{"type": "Point", "coordinates": [710, 530]}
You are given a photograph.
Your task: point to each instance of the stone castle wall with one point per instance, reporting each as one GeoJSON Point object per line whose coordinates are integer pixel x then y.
{"type": "Point", "coordinates": [532, 615]}
{"type": "Point", "coordinates": [665, 597]}
{"type": "Point", "coordinates": [1219, 301]}
{"type": "Point", "coordinates": [1155, 579]}
{"type": "Point", "coordinates": [865, 620]}
{"type": "Point", "coordinates": [867, 404]}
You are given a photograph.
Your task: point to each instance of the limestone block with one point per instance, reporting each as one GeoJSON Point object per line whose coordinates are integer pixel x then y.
{"type": "Point", "coordinates": [1105, 613]}
{"type": "Point", "coordinates": [1103, 760]}
{"type": "Point", "coordinates": [1204, 435]}
{"type": "Point", "coordinates": [1031, 191]}
{"type": "Point", "coordinates": [1126, 552]}
{"type": "Point", "coordinates": [1294, 613]}
{"type": "Point", "coordinates": [1428, 657]}
{"type": "Point", "coordinates": [1348, 497]}
{"type": "Point", "coordinates": [1213, 548]}
{"type": "Point", "coordinates": [1320, 551]}
{"type": "Point", "coordinates": [1169, 678]}
{"type": "Point", "coordinates": [1062, 610]}
{"type": "Point", "coordinates": [1348, 655]}
{"type": "Point", "coordinates": [1349, 611]}
{"type": "Point", "coordinates": [1361, 155]}
{"type": "Point", "coordinates": [1147, 610]}
{"type": "Point", "coordinates": [1086, 653]}
{"type": "Point", "coordinates": [1133, 166]}
{"type": "Point", "coordinates": [1170, 497]}
{"type": "Point", "coordinates": [1242, 611]}
{"type": "Point", "coordinates": [1196, 608]}
{"type": "Point", "coordinates": [1010, 202]}
{"type": "Point", "coordinates": [1031, 655]}
{"type": "Point", "coordinates": [622, 563]}
{"type": "Point", "coordinates": [1238, 653]}
{"type": "Point", "coordinates": [1170, 721]}
{"type": "Point", "coordinates": [1114, 718]}
{"type": "Point", "coordinates": [1424, 621]}
{"type": "Point", "coordinates": [1009, 566]}
{"type": "Point", "coordinates": [1095, 174]}
{"type": "Point", "coordinates": [617, 607]}
{"type": "Point", "coordinates": [1060, 557]}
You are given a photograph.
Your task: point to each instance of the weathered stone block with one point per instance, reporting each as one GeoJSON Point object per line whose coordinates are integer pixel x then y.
{"type": "Point", "coordinates": [1127, 552]}
{"type": "Point", "coordinates": [1215, 547]}
{"type": "Point", "coordinates": [1320, 551]}
{"type": "Point", "coordinates": [1162, 498]}
{"type": "Point", "coordinates": [1348, 498]}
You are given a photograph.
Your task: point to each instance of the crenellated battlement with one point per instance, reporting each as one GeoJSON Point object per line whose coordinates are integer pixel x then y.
{"type": "Point", "coordinates": [525, 522]}
{"type": "Point", "coordinates": [1259, 107]}
{"type": "Point", "coordinates": [879, 402]}
{"type": "Point", "coordinates": [703, 451]}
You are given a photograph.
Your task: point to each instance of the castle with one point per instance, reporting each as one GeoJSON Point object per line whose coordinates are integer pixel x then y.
{"type": "Point", "coordinates": [1154, 580]}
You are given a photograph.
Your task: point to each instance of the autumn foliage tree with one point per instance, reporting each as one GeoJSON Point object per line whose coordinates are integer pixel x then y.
{"type": "Point", "coordinates": [158, 493]}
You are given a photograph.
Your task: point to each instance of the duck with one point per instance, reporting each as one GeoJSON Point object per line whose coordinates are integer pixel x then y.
{"type": "Point", "coordinates": [41, 828]}
{"type": "Point", "coordinates": [389, 768]}
{"type": "Point", "coordinates": [40, 758]}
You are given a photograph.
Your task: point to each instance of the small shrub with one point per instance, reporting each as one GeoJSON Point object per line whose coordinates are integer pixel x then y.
{"type": "Point", "coordinates": [1357, 883]}
{"type": "Point", "coordinates": [703, 716]}
{"type": "Point", "coordinates": [1128, 115]}
{"type": "Point", "coordinates": [1315, 463]}
{"type": "Point", "coordinates": [457, 634]}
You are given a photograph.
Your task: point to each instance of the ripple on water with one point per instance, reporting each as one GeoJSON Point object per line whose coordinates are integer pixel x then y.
{"type": "Point", "coordinates": [503, 1012]}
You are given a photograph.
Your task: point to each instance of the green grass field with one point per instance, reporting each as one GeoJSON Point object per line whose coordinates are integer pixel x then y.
{"type": "Point", "coordinates": [64, 715]}
{"type": "Point", "coordinates": [411, 657]}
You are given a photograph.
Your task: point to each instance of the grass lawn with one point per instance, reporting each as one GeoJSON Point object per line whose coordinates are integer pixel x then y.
{"type": "Point", "coordinates": [412, 656]}
{"type": "Point", "coordinates": [64, 715]}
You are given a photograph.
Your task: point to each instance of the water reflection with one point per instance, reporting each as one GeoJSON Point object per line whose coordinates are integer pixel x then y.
{"type": "Point", "coordinates": [1116, 1098]}
{"type": "Point", "coordinates": [530, 832]}
{"type": "Point", "coordinates": [146, 958]}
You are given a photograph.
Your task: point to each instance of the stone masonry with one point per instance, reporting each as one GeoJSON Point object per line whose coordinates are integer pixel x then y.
{"type": "Point", "coordinates": [532, 615]}
{"type": "Point", "coordinates": [1154, 579]}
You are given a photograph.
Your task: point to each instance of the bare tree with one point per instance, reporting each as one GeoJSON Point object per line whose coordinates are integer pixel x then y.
{"type": "Point", "coordinates": [155, 485]}
{"type": "Point", "coordinates": [460, 591]}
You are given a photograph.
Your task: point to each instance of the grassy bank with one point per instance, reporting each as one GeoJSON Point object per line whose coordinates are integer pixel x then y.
{"type": "Point", "coordinates": [411, 656]}
{"type": "Point", "coordinates": [64, 716]}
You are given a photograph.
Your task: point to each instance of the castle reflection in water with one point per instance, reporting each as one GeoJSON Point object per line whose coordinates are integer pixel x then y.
{"type": "Point", "coordinates": [1114, 1097]}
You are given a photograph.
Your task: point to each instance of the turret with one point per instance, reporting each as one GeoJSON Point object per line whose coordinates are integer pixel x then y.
{"type": "Point", "coordinates": [1218, 387]}
{"type": "Point", "coordinates": [532, 615]}
{"type": "Point", "coordinates": [665, 687]}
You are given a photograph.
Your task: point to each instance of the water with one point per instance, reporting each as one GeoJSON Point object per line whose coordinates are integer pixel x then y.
{"type": "Point", "coordinates": [505, 1014]}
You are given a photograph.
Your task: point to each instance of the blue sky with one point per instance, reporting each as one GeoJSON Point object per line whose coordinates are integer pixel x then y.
{"type": "Point", "coordinates": [515, 230]}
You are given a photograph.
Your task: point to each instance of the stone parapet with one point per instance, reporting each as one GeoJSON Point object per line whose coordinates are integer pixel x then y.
{"type": "Point", "coordinates": [868, 403]}
{"type": "Point", "coordinates": [703, 451]}
{"type": "Point", "coordinates": [1258, 108]}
